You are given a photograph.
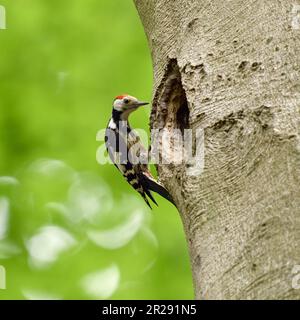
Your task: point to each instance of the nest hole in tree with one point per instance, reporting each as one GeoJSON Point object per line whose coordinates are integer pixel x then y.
{"type": "Point", "coordinates": [173, 102]}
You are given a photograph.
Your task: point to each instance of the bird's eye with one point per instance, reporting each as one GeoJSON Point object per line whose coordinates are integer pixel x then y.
{"type": "Point", "coordinates": [126, 101]}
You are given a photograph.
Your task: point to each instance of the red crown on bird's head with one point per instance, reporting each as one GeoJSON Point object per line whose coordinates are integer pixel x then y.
{"type": "Point", "coordinates": [122, 96]}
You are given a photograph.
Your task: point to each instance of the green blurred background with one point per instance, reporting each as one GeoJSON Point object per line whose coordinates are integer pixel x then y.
{"type": "Point", "coordinates": [69, 227]}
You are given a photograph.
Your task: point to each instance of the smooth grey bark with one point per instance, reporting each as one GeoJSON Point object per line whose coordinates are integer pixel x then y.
{"type": "Point", "coordinates": [233, 69]}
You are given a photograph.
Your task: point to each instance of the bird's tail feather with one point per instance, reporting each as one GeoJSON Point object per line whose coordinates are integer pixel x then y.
{"type": "Point", "coordinates": [146, 200]}
{"type": "Point", "coordinates": [150, 196]}
{"type": "Point", "coordinates": [158, 188]}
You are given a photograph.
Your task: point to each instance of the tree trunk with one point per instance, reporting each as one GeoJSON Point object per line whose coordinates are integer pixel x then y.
{"type": "Point", "coordinates": [232, 68]}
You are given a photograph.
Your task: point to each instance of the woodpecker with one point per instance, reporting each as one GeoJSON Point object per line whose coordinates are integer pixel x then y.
{"type": "Point", "coordinates": [119, 140]}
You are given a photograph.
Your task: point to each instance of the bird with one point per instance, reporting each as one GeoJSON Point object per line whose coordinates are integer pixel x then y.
{"type": "Point", "coordinates": [120, 140]}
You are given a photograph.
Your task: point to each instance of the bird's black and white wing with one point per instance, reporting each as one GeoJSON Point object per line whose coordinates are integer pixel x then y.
{"type": "Point", "coordinates": [116, 144]}
{"type": "Point", "coordinates": [122, 151]}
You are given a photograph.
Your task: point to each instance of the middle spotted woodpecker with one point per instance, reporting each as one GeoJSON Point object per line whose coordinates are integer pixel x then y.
{"type": "Point", "coordinates": [120, 139]}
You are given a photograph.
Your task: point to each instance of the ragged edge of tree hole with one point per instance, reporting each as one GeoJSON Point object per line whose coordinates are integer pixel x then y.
{"type": "Point", "coordinates": [170, 105]}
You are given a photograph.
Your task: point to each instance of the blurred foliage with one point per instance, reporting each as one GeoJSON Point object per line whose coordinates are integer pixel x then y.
{"type": "Point", "coordinates": [70, 228]}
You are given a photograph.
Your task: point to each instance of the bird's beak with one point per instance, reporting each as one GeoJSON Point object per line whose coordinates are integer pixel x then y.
{"type": "Point", "coordinates": [141, 103]}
